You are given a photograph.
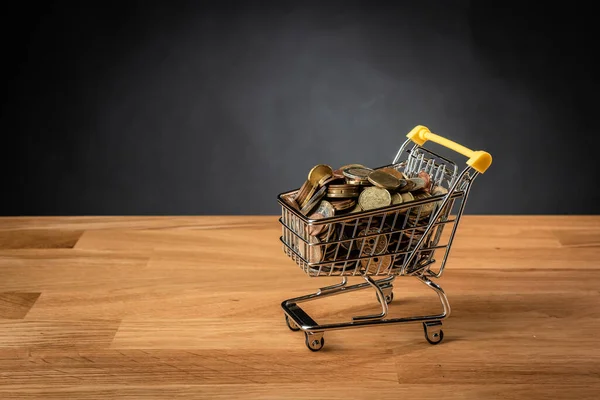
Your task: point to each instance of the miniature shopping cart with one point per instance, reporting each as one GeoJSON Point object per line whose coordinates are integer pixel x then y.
{"type": "Point", "coordinates": [398, 240]}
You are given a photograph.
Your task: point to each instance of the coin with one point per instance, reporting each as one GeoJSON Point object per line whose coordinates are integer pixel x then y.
{"type": "Point", "coordinates": [343, 205]}
{"type": "Point", "coordinates": [310, 193]}
{"type": "Point", "coordinates": [374, 197]}
{"type": "Point", "coordinates": [378, 265]}
{"type": "Point", "coordinates": [302, 192]}
{"type": "Point", "coordinates": [358, 182]}
{"type": "Point", "coordinates": [314, 253]}
{"type": "Point", "coordinates": [397, 198]}
{"type": "Point", "coordinates": [410, 185]}
{"type": "Point", "coordinates": [372, 245]}
{"type": "Point", "coordinates": [426, 208]}
{"type": "Point", "coordinates": [328, 234]}
{"type": "Point", "coordinates": [334, 180]}
{"type": "Point", "coordinates": [314, 230]}
{"type": "Point", "coordinates": [425, 176]}
{"type": "Point", "coordinates": [343, 167]}
{"type": "Point", "coordinates": [338, 173]}
{"type": "Point", "coordinates": [324, 210]}
{"type": "Point", "coordinates": [419, 183]}
{"type": "Point", "coordinates": [357, 208]}
{"type": "Point", "coordinates": [357, 173]}
{"type": "Point", "coordinates": [439, 190]}
{"type": "Point", "coordinates": [442, 191]}
{"type": "Point", "coordinates": [289, 200]}
{"type": "Point", "coordinates": [325, 180]}
{"type": "Point", "coordinates": [342, 191]}
{"type": "Point", "coordinates": [408, 196]}
{"type": "Point", "coordinates": [384, 180]}
{"type": "Point", "coordinates": [314, 200]}
{"type": "Point", "coordinates": [318, 172]}
{"type": "Point", "coordinates": [393, 171]}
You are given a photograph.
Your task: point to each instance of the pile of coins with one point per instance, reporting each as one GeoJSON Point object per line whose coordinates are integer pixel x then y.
{"type": "Point", "coordinates": [354, 188]}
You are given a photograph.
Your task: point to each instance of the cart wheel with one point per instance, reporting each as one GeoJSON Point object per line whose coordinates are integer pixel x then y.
{"type": "Point", "coordinates": [434, 334]}
{"type": "Point", "coordinates": [291, 324]}
{"type": "Point", "coordinates": [314, 341]}
{"type": "Point", "coordinates": [389, 297]}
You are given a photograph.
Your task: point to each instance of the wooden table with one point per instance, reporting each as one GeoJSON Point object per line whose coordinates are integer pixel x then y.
{"type": "Point", "coordinates": [190, 307]}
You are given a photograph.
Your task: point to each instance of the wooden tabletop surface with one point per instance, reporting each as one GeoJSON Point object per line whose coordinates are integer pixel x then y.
{"type": "Point", "coordinates": [189, 307]}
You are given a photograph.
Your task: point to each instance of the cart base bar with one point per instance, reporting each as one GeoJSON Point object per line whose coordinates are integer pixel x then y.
{"type": "Point", "coordinates": [297, 319]}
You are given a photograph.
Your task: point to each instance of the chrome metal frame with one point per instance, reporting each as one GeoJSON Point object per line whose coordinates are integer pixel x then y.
{"type": "Point", "coordinates": [417, 233]}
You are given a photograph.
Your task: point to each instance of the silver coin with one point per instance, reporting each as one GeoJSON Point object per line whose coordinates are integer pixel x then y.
{"type": "Point", "coordinates": [314, 200]}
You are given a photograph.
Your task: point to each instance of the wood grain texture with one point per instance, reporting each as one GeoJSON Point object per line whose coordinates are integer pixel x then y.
{"type": "Point", "coordinates": [188, 307]}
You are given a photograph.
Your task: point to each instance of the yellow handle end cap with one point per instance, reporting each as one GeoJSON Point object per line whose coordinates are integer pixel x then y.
{"type": "Point", "coordinates": [418, 134]}
{"type": "Point", "coordinates": [480, 161]}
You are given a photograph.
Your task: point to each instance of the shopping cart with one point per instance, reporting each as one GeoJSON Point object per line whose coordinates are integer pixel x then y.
{"type": "Point", "coordinates": [398, 240]}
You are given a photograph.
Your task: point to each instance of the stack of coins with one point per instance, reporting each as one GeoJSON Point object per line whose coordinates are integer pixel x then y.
{"type": "Point", "coordinates": [374, 240]}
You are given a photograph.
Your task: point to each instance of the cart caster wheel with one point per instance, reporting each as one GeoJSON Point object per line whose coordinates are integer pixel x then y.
{"type": "Point", "coordinates": [291, 324]}
{"type": "Point", "coordinates": [314, 341]}
{"type": "Point", "coordinates": [388, 294]}
{"type": "Point", "coordinates": [389, 298]}
{"type": "Point", "coordinates": [433, 332]}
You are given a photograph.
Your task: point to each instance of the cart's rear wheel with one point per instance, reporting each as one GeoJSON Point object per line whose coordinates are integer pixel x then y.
{"type": "Point", "coordinates": [291, 324]}
{"type": "Point", "coordinates": [314, 341]}
{"type": "Point", "coordinates": [433, 332]}
{"type": "Point", "coordinates": [389, 298]}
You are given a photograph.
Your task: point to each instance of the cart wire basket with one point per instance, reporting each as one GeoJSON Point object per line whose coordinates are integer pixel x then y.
{"type": "Point", "coordinates": [379, 245]}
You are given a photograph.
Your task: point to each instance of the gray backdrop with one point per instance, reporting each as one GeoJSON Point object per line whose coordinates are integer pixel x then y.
{"type": "Point", "coordinates": [215, 108]}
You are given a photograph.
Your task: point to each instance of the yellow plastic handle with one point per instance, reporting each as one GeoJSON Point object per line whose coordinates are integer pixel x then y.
{"type": "Point", "coordinates": [478, 160]}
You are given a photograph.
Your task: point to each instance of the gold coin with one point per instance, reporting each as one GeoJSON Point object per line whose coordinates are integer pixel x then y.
{"type": "Point", "coordinates": [357, 208]}
{"type": "Point", "coordinates": [381, 263]}
{"type": "Point", "coordinates": [318, 172]}
{"type": "Point", "coordinates": [302, 192]}
{"type": "Point", "coordinates": [343, 167]}
{"type": "Point", "coordinates": [328, 180]}
{"type": "Point", "coordinates": [357, 173]}
{"type": "Point", "coordinates": [373, 245]}
{"type": "Point", "coordinates": [374, 197]}
{"type": "Point", "coordinates": [439, 190]}
{"type": "Point", "coordinates": [343, 191]}
{"type": "Point", "coordinates": [393, 171]}
{"type": "Point", "coordinates": [343, 205]}
{"type": "Point", "coordinates": [384, 180]}
{"type": "Point", "coordinates": [408, 196]}
{"type": "Point", "coordinates": [358, 182]}
{"type": "Point", "coordinates": [426, 208]}
{"type": "Point", "coordinates": [397, 198]}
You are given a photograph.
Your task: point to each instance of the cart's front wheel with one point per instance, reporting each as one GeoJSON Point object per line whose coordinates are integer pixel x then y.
{"type": "Point", "coordinates": [314, 341]}
{"type": "Point", "coordinates": [291, 324]}
{"type": "Point", "coordinates": [433, 332]}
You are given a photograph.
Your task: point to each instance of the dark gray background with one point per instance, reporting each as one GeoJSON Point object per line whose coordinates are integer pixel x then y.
{"type": "Point", "coordinates": [216, 107]}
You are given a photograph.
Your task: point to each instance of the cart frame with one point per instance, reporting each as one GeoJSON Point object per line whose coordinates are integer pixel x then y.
{"type": "Point", "coordinates": [418, 235]}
